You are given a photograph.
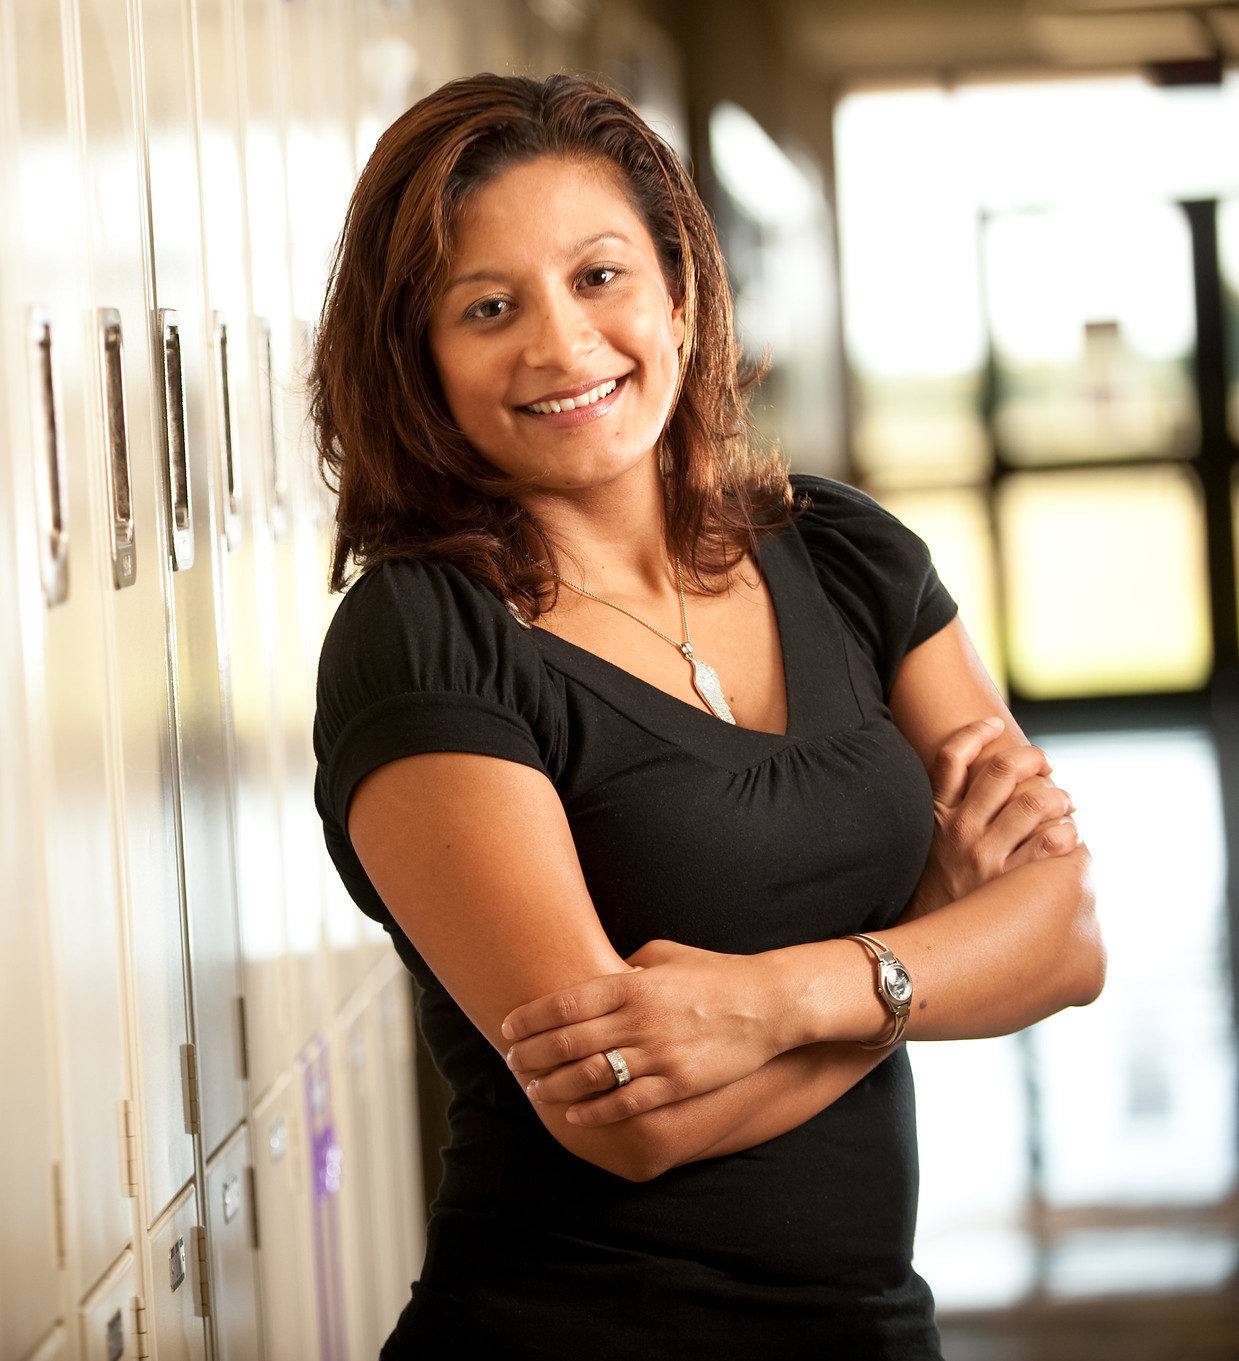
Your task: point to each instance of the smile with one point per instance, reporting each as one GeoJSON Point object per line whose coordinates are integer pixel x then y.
{"type": "Point", "coordinates": [553, 406]}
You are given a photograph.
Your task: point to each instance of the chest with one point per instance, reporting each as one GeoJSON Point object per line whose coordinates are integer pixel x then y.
{"type": "Point", "coordinates": [735, 839]}
{"type": "Point", "coordinates": [736, 633]}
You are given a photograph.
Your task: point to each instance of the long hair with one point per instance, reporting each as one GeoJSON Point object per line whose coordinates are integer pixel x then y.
{"type": "Point", "coordinates": [408, 482]}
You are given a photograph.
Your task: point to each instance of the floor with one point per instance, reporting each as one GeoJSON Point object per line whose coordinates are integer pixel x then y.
{"type": "Point", "coordinates": [1176, 1328]}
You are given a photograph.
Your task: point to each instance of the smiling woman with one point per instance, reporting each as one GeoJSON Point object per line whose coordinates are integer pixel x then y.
{"type": "Point", "coordinates": [542, 334]}
{"type": "Point", "coordinates": [671, 922]}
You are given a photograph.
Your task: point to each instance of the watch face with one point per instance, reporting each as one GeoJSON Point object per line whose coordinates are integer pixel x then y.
{"type": "Point", "coordinates": [897, 983]}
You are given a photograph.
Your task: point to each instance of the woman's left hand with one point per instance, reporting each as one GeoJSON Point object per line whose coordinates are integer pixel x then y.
{"type": "Point", "coordinates": [685, 1021]}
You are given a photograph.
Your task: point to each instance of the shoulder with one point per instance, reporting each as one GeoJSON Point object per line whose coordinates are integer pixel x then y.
{"type": "Point", "coordinates": [877, 571]}
{"type": "Point", "coordinates": [829, 507]}
{"type": "Point", "coordinates": [422, 648]}
{"type": "Point", "coordinates": [411, 598]}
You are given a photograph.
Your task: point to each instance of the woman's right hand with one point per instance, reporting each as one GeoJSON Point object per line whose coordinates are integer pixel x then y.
{"type": "Point", "coordinates": [992, 813]}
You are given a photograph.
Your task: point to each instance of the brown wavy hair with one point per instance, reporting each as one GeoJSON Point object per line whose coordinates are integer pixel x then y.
{"type": "Point", "coordinates": [408, 482]}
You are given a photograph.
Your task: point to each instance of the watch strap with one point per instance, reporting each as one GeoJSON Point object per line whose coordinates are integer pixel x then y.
{"type": "Point", "coordinates": [899, 1010]}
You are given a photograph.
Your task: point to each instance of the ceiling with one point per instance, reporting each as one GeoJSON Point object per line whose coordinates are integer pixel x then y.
{"type": "Point", "coordinates": [857, 41]}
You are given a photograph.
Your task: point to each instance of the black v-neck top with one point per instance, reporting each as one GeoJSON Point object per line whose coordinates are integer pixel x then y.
{"type": "Point", "coordinates": [690, 829]}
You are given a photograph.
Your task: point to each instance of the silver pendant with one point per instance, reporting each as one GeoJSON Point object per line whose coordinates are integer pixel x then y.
{"type": "Point", "coordinates": [708, 686]}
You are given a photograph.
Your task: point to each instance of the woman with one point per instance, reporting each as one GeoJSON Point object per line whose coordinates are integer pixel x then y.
{"type": "Point", "coordinates": [682, 1115]}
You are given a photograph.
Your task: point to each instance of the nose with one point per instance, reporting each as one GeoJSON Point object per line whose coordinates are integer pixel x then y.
{"type": "Point", "coordinates": [559, 333]}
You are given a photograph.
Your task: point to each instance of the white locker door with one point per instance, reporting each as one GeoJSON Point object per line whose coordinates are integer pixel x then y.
{"type": "Point", "coordinates": [230, 1238]}
{"type": "Point", "coordinates": [30, 1156]}
{"type": "Point", "coordinates": [222, 33]}
{"type": "Point", "coordinates": [187, 445]}
{"type": "Point", "coordinates": [362, 1215]}
{"type": "Point", "coordinates": [321, 140]}
{"type": "Point", "coordinates": [109, 1317]}
{"type": "Point", "coordinates": [31, 1164]}
{"type": "Point", "coordinates": [270, 234]}
{"type": "Point", "coordinates": [325, 1172]}
{"type": "Point", "coordinates": [67, 685]}
{"type": "Point", "coordinates": [174, 1323]}
{"type": "Point", "coordinates": [285, 1254]}
{"type": "Point", "coordinates": [124, 433]}
{"type": "Point", "coordinates": [55, 1346]}
{"type": "Point", "coordinates": [398, 1145]}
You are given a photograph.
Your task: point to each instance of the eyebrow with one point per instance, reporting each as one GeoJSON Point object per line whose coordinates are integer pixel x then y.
{"type": "Point", "coordinates": [576, 248]}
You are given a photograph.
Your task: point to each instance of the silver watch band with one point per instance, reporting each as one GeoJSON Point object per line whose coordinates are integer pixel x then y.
{"type": "Point", "coordinates": [894, 987]}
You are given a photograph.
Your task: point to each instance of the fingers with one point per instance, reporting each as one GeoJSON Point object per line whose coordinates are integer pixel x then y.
{"type": "Point", "coordinates": [588, 1077]}
{"type": "Point", "coordinates": [994, 784]}
{"type": "Point", "coordinates": [583, 1002]}
{"type": "Point", "coordinates": [592, 1085]}
{"type": "Point", "coordinates": [1056, 838]}
{"type": "Point", "coordinates": [1034, 803]}
{"type": "Point", "coordinates": [553, 1048]}
{"type": "Point", "coordinates": [640, 1095]}
{"type": "Point", "coordinates": [949, 774]}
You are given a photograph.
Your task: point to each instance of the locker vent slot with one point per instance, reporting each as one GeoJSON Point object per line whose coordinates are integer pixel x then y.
{"type": "Point", "coordinates": [180, 512]}
{"type": "Point", "coordinates": [277, 514]}
{"type": "Point", "coordinates": [231, 472]}
{"type": "Point", "coordinates": [116, 440]}
{"type": "Point", "coordinates": [49, 436]}
{"type": "Point", "coordinates": [243, 1040]}
{"type": "Point", "coordinates": [251, 1187]}
{"type": "Point", "coordinates": [58, 1215]}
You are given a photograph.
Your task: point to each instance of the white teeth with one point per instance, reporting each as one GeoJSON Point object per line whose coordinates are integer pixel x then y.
{"type": "Point", "coordinates": [571, 403]}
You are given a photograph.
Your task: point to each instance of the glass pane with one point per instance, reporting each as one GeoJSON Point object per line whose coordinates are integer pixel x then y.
{"type": "Point", "coordinates": [912, 317]}
{"type": "Point", "coordinates": [1228, 260]}
{"type": "Point", "coordinates": [972, 1120]}
{"type": "Point", "coordinates": [920, 430]}
{"type": "Point", "coordinates": [1093, 331]}
{"type": "Point", "coordinates": [1105, 581]}
{"type": "Point", "coordinates": [1137, 1091]}
{"type": "Point", "coordinates": [956, 526]}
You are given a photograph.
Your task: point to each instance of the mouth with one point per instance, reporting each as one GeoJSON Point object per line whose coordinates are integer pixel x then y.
{"type": "Point", "coordinates": [588, 397]}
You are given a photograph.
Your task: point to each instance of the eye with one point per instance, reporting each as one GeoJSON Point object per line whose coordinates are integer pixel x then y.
{"type": "Point", "coordinates": [487, 309]}
{"type": "Point", "coordinates": [598, 275]}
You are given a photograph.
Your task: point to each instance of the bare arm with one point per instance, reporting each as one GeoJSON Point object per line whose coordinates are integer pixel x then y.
{"type": "Point", "coordinates": [474, 859]}
{"type": "Point", "coordinates": [993, 960]}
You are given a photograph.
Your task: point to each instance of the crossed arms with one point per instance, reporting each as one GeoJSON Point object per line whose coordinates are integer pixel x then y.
{"type": "Point", "coordinates": [730, 1050]}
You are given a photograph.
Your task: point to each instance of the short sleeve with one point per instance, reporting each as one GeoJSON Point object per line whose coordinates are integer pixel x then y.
{"type": "Point", "coordinates": [876, 571]}
{"type": "Point", "coordinates": [420, 658]}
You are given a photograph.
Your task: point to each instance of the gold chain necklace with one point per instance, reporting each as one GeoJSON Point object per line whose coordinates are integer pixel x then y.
{"type": "Point", "coordinates": [705, 678]}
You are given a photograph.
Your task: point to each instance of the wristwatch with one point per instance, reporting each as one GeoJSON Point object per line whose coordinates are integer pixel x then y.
{"type": "Point", "coordinates": [894, 985]}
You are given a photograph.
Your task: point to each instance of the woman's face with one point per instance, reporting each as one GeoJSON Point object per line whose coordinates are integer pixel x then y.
{"type": "Point", "coordinates": [555, 295]}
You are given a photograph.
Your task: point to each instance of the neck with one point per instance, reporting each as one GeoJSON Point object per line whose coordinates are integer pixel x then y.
{"type": "Point", "coordinates": [610, 539]}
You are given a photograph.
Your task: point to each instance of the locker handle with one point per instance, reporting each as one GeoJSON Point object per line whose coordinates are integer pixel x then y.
{"type": "Point", "coordinates": [277, 517]}
{"type": "Point", "coordinates": [180, 510]}
{"type": "Point", "coordinates": [231, 473]}
{"type": "Point", "coordinates": [116, 440]}
{"type": "Point", "coordinates": [53, 533]}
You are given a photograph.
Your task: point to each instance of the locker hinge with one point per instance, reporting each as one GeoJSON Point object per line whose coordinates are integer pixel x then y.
{"type": "Point", "coordinates": [127, 1134]}
{"type": "Point", "coordinates": [58, 1214]}
{"type": "Point", "coordinates": [251, 1185]}
{"type": "Point", "coordinates": [141, 1339]}
{"type": "Point", "coordinates": [243, 1039]}
{"type": "Point", "coordinates": [189, 1087]}
{"type": "Point", "coordinates": [201, 1280]}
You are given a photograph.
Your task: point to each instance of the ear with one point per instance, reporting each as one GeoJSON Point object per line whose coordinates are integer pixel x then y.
{"type": "Point", "coordinates": [677, 324]}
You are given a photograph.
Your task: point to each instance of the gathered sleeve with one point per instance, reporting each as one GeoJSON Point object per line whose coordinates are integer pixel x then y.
{"type": "Point", "coordinates": [875, 570]}
{"type": "Point", "coordinates": [421, 658]}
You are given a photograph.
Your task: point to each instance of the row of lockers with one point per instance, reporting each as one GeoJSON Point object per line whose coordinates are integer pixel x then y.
{"type": "Point", "coordinates": [209, 1142]}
